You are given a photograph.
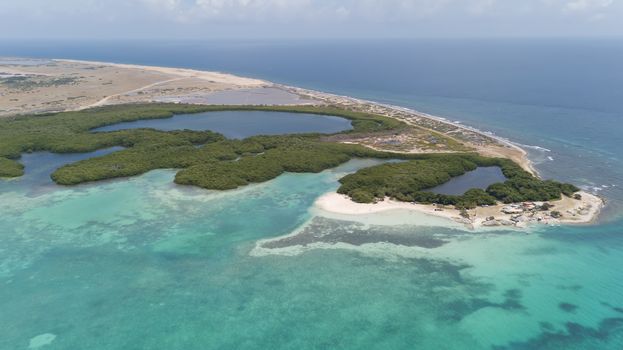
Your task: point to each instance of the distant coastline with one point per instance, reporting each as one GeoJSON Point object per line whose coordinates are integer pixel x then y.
{"type": "Point", "coordinates": [132, 84]}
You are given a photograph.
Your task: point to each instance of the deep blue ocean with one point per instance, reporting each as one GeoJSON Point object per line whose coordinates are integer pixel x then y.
{"type": "Point", "coordinates": [143, 264]}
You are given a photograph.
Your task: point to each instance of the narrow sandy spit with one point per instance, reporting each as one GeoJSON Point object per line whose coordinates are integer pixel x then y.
{"type": "Point", "coordinates": [502, 147]}
{"type": "Point", "coordinates": [573, 211]}
{"type": "Point", "coordinates": [182, 72]}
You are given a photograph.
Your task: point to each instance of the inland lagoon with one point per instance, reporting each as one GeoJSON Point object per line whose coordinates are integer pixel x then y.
{"type": "Point", "coordinates": [242, 124]}
{"type": "Point", "coordinates": [481, 178]}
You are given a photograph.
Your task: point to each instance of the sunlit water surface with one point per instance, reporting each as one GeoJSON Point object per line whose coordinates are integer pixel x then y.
{"type": "Point", "coordinates": [141, 263]}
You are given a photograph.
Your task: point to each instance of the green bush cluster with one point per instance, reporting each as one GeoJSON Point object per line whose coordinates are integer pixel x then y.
{"type": "Point", "coordinates": [409, 181]}
{"type": "Point", "coordinates": [206, 159]}
{"type": "Point", "coordinates": [10, 168]}
{"type": "Point", "coordinates": [521, 186]}
{"type": "Point", "coordinates": [272, 157]}
{"type": "Point", "coordinates": [148, 149]}
{"type": "Point", "coordinates": [69, 131]}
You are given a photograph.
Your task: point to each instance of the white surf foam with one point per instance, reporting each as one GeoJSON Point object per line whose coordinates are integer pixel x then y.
{"type": "Point", "coordinates": [41, 340]}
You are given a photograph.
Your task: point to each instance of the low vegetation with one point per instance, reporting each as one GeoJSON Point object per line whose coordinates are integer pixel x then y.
{"type": "Point", "coordinates": [409, 181]}
{"type": "Point", "coordinates": [206, 159]}
{"type": "Point", "coordinates": [9, 168]}
{"type": "Point", "coordinates": [27, 83]}
{"type": "Point", "coordinates": [147, 149]}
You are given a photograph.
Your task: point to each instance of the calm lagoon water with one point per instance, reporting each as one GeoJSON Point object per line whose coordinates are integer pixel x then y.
{"type": "Point", "coordinates": [142, 263]}
{"type": "Point", "coordinates": [242, 124]}
{"type": "Point", "coordinates": [481, 178]}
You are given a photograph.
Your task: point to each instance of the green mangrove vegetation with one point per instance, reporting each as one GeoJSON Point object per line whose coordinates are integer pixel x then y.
{"type": "Point", "coordinates": [409, 181]}
{"type": "Point", "coordinates": [10, 168]}
{"type": "Point", "coordinates": [230, 164]}
{"type": "Point", "coordinates": [209, 160]}
{"type": "Point", "coordinates": [69, 132]}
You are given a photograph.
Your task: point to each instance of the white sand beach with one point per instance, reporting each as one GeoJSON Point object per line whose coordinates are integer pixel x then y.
{"type": "Point", "coordinates": [216, 77]}
{"type": "Point", "coordinates": [573, 211]}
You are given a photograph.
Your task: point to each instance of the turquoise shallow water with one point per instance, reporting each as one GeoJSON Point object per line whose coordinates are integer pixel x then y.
{"type": "Point", "coordinates": [144, 264]}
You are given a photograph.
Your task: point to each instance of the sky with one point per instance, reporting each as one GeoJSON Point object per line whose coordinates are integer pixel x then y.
{"type": "Point", "coordinates": [213, 19]}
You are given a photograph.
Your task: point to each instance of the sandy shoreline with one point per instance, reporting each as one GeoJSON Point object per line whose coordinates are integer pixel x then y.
{"type": "Point", "coordinates": [181, 72]}
{"type": "Point", "coordinates": [488, 144]}
{"type": "Point", "coordinates": [573, 211]}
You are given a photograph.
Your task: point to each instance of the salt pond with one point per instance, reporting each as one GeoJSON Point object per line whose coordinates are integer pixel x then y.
{"type": "Point", "coordinates": [481, 178]}
{"type": "Point", "coordinates": [242, 124]}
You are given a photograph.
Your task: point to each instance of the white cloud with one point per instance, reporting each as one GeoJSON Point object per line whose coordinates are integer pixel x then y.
{"type": "Point", "coordinates": [481, 6]}
{"type": "Point", "coordinates": [591, 11]}
{"type": "Point", "coordinates": [167, 5]}
{"type": "Point", "coordinates": [597, 17]}
{"type": "Point", "coordinates": [587, 5]}
{"type": "Point", "coordinates": [286, 17]}
{"type": "Point", "coordinates": [239, 10]}
{"type": "Point", "coordinates": [327, 10]}
{"type": "Point", "coordinates": [308, 10]}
